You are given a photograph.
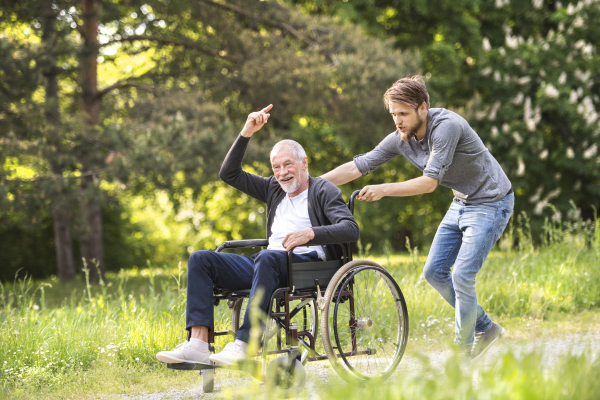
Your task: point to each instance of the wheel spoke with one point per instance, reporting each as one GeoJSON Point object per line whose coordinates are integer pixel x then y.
{"type": "Point", "coordinates": [379, 321]}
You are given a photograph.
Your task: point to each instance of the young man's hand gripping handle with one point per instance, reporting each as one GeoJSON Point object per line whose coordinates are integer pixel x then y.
{"type": "Point", "coordinates": [349, 172]}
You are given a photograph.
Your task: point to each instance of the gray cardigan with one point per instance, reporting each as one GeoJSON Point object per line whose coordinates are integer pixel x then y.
{"type": "Point", "coordinates": [331, 219]}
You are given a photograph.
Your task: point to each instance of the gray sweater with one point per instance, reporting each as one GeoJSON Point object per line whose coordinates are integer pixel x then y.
{"type": "Point", "coordinates": [332, 221]}
{"type": "Point", "coordinates": [450, 152]}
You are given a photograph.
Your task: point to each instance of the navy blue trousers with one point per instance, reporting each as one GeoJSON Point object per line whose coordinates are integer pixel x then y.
{"type": "Point", "coordinates": [266, 270]}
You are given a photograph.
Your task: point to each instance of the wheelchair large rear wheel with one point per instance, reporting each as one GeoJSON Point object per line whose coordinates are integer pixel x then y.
{"type": "Point", "coordinates": [364, 322]}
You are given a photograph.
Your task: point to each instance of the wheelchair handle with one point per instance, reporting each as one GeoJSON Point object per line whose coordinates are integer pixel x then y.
{"type": "Point", "coordinates": [351, 202]}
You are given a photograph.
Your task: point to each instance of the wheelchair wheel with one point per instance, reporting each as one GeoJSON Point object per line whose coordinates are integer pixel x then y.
{"type": "Point", "coordinates": [237, 313]}
{"type": "Point", "coordinates": [285, 379]}
{"type": "Point", "coordinates": [303, 314]}
{"type": "Point", "coordinates": [364, 322]}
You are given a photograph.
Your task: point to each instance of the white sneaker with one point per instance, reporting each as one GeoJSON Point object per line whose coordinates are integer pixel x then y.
{"type": "Point", "coordinates": [230, 355]}
{"type": "Point", "coordinates": [184, 353]}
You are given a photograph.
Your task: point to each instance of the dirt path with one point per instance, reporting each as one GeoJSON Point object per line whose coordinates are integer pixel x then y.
{"type": "Point", "coordinates": [320, 373]}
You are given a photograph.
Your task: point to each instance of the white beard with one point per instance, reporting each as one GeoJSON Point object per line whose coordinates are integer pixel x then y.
{"type": "Point", "coordinates": [290, 186]}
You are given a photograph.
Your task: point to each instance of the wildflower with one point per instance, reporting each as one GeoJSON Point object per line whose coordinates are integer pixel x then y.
{"type": "Point", "coordinates": [80, 363]}
{"type": "Point", "coordinates": [137, 359]}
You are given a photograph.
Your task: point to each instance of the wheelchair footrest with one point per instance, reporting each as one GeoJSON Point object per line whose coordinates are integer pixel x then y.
{"type": "Point", "coordinates": [252, 367]}
{"type": "Point", "coordinates": [192, 366]}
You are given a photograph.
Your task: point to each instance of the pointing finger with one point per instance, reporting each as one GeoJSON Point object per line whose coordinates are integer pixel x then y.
{"type": "Point", "coordinates": [267, 108]}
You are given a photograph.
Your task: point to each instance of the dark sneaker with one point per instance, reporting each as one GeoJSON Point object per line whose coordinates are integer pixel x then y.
{"type": "Point", "coordinates": [485, 340]}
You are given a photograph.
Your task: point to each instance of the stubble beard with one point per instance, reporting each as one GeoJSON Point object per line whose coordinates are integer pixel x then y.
{"type": "Point", "coordinates": [411, 132]}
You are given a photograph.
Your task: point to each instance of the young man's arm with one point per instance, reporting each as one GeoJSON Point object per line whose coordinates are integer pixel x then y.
{"type": "Point", "coordinates": [342, 174]}
{"type": "Point", "coordinates": [412, 187]}
{"type": "Point", "coordinates": [443, 146]}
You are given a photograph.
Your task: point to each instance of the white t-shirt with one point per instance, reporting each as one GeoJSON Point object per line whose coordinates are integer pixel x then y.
{"type": "Point", "coordinates": [292, 215]}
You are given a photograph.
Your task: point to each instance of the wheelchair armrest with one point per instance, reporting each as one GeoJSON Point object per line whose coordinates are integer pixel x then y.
{"type": "Point", "coordinates": [236, 244]}
{"type": "Point", "coordinates": [322, 243]}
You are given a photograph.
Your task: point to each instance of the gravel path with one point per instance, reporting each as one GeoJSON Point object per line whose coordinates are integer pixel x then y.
{"type": "Point", "coordinates": [320, 373]}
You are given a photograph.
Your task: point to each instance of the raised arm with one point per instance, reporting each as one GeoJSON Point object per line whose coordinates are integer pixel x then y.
{"type": "Point", "coordinates": [231, 170]}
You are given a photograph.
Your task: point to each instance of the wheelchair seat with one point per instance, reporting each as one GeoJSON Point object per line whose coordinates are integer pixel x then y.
{"type": "Point", "coordinates": [305, 275]}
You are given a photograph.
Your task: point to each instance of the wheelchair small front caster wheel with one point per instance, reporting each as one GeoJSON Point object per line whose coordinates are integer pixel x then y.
{"type": "Point", "coordinates": [286, 376]}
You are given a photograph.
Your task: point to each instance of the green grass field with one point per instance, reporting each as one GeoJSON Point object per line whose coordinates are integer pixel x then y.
{"type": "Point", "coordinates": [73, 341]}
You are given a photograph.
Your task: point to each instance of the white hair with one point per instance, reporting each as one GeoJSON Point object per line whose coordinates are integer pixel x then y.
{"type": "Point", "coordinates": [296, 147]}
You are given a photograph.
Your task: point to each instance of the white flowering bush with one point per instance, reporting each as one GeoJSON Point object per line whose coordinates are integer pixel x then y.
{"type": "Point", "coordinates": [538, 101]}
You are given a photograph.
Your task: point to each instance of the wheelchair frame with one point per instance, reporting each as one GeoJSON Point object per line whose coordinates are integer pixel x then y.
{"type": "Point", "coordinates": [291, 365]}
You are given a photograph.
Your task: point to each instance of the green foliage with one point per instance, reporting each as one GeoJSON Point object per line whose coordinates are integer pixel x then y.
{"type": "Point", "coordinates": [538, 100]}
{"type": "Point", "coordinates": [445, 33]}
{"type": "Point", "coordinates": [522, 73]}
{"type": "Point", "coordinates": [512, 376]}
{"type": "Point", "coordinates": [171, 78]}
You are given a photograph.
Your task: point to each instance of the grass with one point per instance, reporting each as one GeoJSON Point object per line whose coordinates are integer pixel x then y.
{"type": "Point", "coordinates": [67, 341]}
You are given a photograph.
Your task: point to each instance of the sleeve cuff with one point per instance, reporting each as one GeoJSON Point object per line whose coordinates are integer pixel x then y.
{"type": "Point", "coordinates": [361, 164]}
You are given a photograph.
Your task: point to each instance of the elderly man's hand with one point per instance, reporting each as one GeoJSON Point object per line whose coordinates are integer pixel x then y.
{"type": "Point", "coordinates": [297, 238]}
{"type": "Point", "coordinates": [255, 121]}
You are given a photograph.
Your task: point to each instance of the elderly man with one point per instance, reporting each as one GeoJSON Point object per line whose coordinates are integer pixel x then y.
{"type": "Point", "coordinates": [441, 143]}
{"type": "Point", "coordinates": [300, 209]}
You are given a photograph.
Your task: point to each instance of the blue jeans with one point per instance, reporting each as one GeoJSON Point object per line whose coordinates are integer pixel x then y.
{"type": "Point", "coordinates": [464, 239]}
{"type": "Point", "coordinates": [266, 270]}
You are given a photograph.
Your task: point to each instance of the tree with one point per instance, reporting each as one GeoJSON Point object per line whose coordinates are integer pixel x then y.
{"type": "Point", "coordinates": [537, 102]}
{"type": "Point", "coordinates": [445, 33]}
{"type": "Point", "coordinates": [502, 65]}
{"type": "Point", "coordinates": [145, 99]}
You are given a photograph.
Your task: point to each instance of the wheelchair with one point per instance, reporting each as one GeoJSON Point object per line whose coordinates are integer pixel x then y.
{"type": "Point", "coordinates": [363, 320]}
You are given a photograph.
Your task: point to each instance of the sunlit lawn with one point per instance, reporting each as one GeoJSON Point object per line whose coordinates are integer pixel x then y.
{"type": "Point", "coordinates": [69, 341]}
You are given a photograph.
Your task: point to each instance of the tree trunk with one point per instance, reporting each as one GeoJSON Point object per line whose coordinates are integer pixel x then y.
{"type": "Point", "coordinates": [91, 241]}
{"type": "Point", "coordinates": [62, 234]}
{"type": "Point", "coordinates": [64, 250]}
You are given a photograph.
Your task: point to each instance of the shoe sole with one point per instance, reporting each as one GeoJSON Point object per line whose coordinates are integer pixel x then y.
{"type": "Point", "coordinates": [502, 332]}
{"type": "Point", "coordinates": [173, 360]}
{"type": "Point", "coordinates": [214, 358]}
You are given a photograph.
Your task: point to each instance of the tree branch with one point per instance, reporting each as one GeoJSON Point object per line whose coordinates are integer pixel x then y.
{"type": "Point", "coordinates": [276, 24]}
{"type": "Point", "coordinates": [124, 84]}
{"type": "Point", "coordinates": [187, 45]}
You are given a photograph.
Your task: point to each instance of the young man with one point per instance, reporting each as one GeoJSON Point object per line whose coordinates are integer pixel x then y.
{"type": "Point", "coordinates": [301, 210]}
{"type": "Point", "coordinates": [442, 144]}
